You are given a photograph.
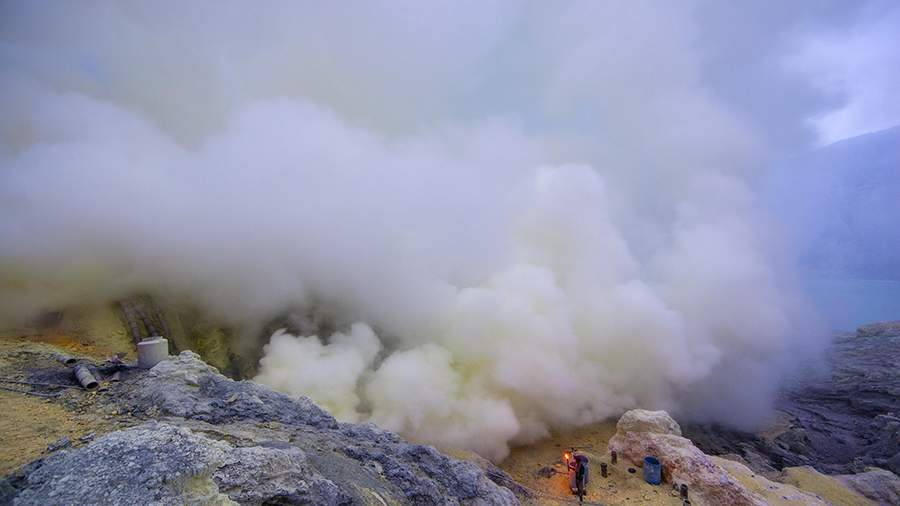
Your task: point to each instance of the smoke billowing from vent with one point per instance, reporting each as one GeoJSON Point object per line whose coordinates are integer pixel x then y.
{"type": "Point", "coordinates": [527, 216]}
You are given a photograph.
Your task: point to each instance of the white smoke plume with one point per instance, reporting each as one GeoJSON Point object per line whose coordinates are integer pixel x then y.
{"type": "Point", "coordinates": [534, 215]}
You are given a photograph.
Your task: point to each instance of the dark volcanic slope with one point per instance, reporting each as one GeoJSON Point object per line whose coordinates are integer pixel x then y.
{"type": "Point", "coordinates": [840, 422]}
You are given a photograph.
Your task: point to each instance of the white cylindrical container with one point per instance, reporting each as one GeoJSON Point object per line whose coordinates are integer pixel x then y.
{"type": "Point", "coordinates": [152, 351]}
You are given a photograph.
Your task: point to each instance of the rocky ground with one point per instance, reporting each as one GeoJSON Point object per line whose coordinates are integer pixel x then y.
{"type": "Point", "coordinates": [836, 437]}
{"type": "Point", "coordinates": [540, 468]}
{"type": "Point", "coordinates": [844, 421]}
{"type": "Point", "coordinates": [182, 433]}
{"type": "Point", "coordinates": [31, 422]}
{"type": "Point", "coordinates": [712, 480]}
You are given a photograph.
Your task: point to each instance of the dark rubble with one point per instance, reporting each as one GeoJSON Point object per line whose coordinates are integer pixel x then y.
{"type": "Point", "coordinates": [841, 422]}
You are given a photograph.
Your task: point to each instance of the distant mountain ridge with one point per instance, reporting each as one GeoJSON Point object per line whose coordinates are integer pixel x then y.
{"type": "Point", "coordinates": [841, 204]}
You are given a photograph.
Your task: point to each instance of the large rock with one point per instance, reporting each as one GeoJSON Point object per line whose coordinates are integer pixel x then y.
{"type": "Point", "coordinates": [828, 487]}
{"type": "Point", "coordinates": [642, 420]}
{"type": "Point", "coordinates": [163, 464]}
{"type": "Point", "coordinates": [682, 462]}
{"type": "Point", "coordinates": [772, 492]}
{"type": "Point", "coordinates": [186, 387]}
{"type": "Point", "coordinates": [876, 484]}
{"type": "Point", "coordinates": [225, 441]}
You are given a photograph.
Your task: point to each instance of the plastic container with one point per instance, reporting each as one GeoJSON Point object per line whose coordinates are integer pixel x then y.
{"type": "Point", "coordinates": [652, 470]}
{"type": "Point", "coordinates": [152, 351]}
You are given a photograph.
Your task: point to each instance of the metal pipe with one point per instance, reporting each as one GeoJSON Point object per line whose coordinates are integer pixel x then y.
{"type": "Point", "coordinates": [149, 326]}
{"type": "Point", "coordinates": [62, 358]}
{"type": "Point", "coordinates": [84, 376]}
{"type": "Point", "coordinates": [164, 325]}
{"type": "Point", "coordinates": [130, 319]}
{"type": "Point", "coordinates": [158, 315]}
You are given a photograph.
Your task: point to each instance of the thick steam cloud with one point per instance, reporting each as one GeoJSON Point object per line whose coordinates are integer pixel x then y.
{"type": "Point", "coordinates": [511, 247]}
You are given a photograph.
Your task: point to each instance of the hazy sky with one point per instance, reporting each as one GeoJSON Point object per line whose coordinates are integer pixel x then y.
{"type": "Point", "coordinates": [798, 71]}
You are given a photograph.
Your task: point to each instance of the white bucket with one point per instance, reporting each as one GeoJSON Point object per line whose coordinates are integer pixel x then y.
{"type": "Point", "coordinates": [152, 351]}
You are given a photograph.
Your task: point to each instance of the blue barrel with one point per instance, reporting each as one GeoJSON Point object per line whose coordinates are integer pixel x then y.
{"type": "Point", "coordinates": [652, 470]}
